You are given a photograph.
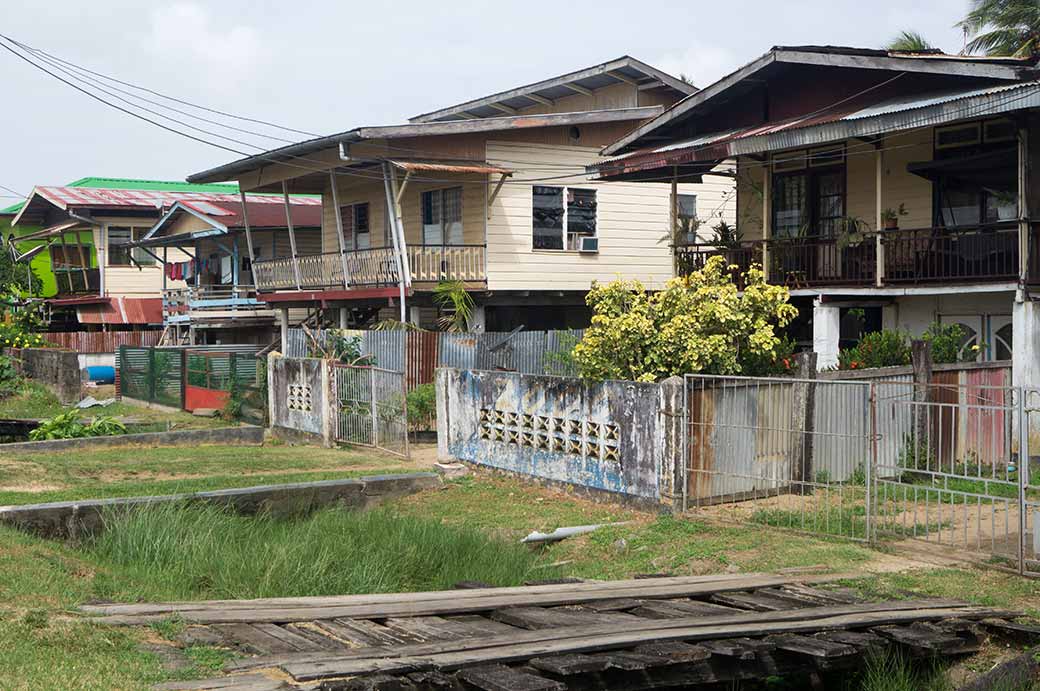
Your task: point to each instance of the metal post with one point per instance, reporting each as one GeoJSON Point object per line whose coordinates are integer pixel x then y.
{"type": "Point", "coordinates": [1023, 477]}
{"type": "Point", "coordinates": [684, 442]}
{"type": "Point", "coordinates": [1023, 208]}
{"type": "Point", "coordinates": [394, 220]}
{"type": "Point", "coordinates": [871, 467]}
{"type": "Point", "coordinates": [879, 247]}
{"type": "Point", "coordinates": [404, 413]}
{"type": "Point", "coordinates": [339, 230]}
{"type": "Point", "coordinates": [249, 232]}
{"type": "Point", "coordinates": [766, 210]}
{"type": "Point", "coordinates": [372, 397]}
{"type": "Point", "coordinates": [292, 236]}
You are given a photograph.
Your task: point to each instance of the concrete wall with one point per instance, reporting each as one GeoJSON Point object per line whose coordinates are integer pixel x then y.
{"type": "Point", "coordinates": [298, 392]}
{"type": "Point", "coordinates": [56, 369]}
{"type": "Point", "coordinates": [616, 437]}
{"type": "Point", "coordinates": [77, 519]}
{"type": "Point", "coordinates": [245, 435]}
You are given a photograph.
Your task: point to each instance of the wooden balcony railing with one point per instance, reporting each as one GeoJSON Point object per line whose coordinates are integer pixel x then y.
{"type": "Point", "coordinates": [930, 255]}
{"type": "Point", "coordinates": [372, 267]}
{"type": "Point", "coordinates": [912, 256]}
{"type": "Point", "coordinates": [447, 263]}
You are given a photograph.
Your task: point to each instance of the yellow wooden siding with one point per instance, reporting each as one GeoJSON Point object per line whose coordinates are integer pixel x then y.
{"type": "Point", "coordinates": [133, 281]}
{"type": "Point", "coordinates": [632, 219]}
{"type": "Point", "coordinates": [613, 96]}
{"type": "Point", "coordinates": [352, 191]}
{"type": "Point", "coordinates": [897, 185]}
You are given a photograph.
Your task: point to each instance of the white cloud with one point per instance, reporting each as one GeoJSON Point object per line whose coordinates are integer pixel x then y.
{"type": "Point", "coordinates": [702, 64]}
{"type": "Point", "coordinates": [187, 34]}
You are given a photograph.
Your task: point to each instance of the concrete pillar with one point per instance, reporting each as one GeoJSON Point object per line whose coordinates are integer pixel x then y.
{"type": "Point", "coordinates": [414, 315]}
{"type": "Point", "coordinates": [344, 318]}
{"type": "Point", "coordinates": [1025, 335]}
{"type": "Point", "coordinates": [826, 332]}
{"type": "Point", "coordinates": [1025, 373]}
{"type": "Point", "coordinates": [478, 321]}
{"type": "Point", "coordinates": [283, 322]}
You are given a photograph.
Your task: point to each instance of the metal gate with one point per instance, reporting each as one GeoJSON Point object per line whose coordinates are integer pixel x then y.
{"type": "Point", "coordinates": [944, 463]}
{"type": "Point", "coordinates": [372, 408]}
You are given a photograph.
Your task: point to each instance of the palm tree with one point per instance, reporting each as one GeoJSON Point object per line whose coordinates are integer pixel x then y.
{"type": "Point", "coordinates": [909, 42]}
{"type": "Point", "coordinates": [1003, 27]}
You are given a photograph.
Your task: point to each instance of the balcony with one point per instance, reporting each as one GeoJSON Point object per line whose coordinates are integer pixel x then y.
{"type": "Point", "coordinates": [376, 267]}
{"type": "Point", "coordinates": [195, 303]}
{"type": "Point", "coordinates": [911, 257]}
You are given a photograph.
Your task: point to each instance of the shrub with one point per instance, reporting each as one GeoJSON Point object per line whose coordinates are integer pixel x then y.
{"type": "Point", "coordinates": [10, 380]}
{"type": "Point", "coordinates": [67, 425]}
{"type": "Point", "coordinates": [698, 323]}
{"type": "Point", "coordinates": [422, 406]}
{"type": "Point", "coordinates": [781, 362]}
{"type": "Point", "coordinates": [946, 341]}
{"type": "Point", "coordinates": [884, 348]}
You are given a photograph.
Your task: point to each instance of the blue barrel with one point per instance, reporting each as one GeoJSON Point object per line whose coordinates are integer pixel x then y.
{"type": "Point", "coordinates": [102, 374]}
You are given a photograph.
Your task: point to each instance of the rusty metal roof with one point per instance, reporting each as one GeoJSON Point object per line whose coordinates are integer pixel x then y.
{"type": "Point", "coordinates": [890, 115]}
{"type": "Point", "coordinates": [68, 198]}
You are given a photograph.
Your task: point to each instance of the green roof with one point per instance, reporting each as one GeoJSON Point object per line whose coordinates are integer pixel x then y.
{"type": "Point", "coordinates": [130, 184]}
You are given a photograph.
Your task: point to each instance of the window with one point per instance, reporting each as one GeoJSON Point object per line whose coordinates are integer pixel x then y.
{"type": "Point", "coordinates": [355, 226]}
{"type": "Point", "coordinates": [555, 209]}
{"type": "Point", "coordinates": [442, 217]}
{"type": "Point", "coordinates": [119, 254]}
{"type": "Point", "coordinates": [686, 218]}
{"type": "Point", "coordinates": [809, 204]}
{"type": "Point", "coordinates": [70, 256]}
{"type": "Point", "coordinates": [977, 181]}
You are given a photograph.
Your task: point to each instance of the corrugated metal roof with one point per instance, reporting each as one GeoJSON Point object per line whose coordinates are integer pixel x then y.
{"type": "Point", "coordinates": [122, 310]}
{"type": "Point", "coordinates": [135, 184]}
{"type": "Point", "coordinates": [823, 128]}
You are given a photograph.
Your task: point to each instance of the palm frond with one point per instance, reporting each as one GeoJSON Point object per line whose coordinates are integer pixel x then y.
{"type": "Point", "coordinates": [909, 42]}
{"type": "Point", "coordinates": [455, 300]}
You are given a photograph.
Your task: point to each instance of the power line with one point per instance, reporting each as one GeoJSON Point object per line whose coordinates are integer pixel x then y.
{"type": "Point", "coordinates": [157, 93]}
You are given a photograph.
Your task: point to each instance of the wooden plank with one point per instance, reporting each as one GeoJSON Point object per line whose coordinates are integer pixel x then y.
{"type": "Point", "coordinates": [730, 648]}
{"type": "Point", "coordinates": [756, 601]}
{"type": "Point", "coordinates": [679, 582]}
{"type": "Point", "coordinates": [621, 603]}
{"type": "Point", "coordinates": [676, 651]}
{"type": "Point", "coordinates": [316, 635]}
{"type": "Point", "coordinates": [489, 601]}
{"type": "Point", "coordinates": [423, 628]}
{"type": "Point", "coordinates": [570, 664]}
{"type": "Point", "coordinates": [374, 634]}
{"type": "Point", "coordinates": [813, 647]}
{"type": "Point", "coordinates": [249, 682]}
{"type": "Point", "coordinates": [542, 617]}
{"type": "Point", "coordinates": [512, 650]}
{"type": "Point", "coordinates": [264, 639]}
{"type": "Point", "coordinates": [502, 678]}
{"type": "Point", "coordinates": [476, 625]}
{"type": "Point", "coordinates": [922, 639]}
{"type": "Point", "coordinates": [632, 662]}
{"type": "Point", "coordinates": [669, 609]}
{"type": "Point", "coordinates": [860, 639]}
{"type": "Point", "coordinates": [508, 634]}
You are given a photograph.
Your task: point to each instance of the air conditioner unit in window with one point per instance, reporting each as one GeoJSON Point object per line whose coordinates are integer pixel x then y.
{"type": "Point", "coordinates": [589, 244]}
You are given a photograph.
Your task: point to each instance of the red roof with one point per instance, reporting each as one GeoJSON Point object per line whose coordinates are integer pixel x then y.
{"type": "Point", "coordinates": [122, 310]}
{"type": "Point", "coordinates": [65, 197]}
{"type": "Point", "coordinates": [261, 214]}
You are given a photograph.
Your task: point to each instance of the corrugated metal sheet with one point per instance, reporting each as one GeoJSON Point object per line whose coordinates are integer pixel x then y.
{"type": "Point", "coordinates": [529, 352]}
{"type": "Point", "coordinates": [122, 310]}
{"type": "Point", "coordinates": [835, 125]}
{"type": "Point", "coordinates": [102, 341]}
{"type": "Point", "coordinates": [443, 167]}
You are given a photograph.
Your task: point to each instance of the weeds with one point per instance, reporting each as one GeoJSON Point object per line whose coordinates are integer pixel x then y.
{"type": "Point", "coordinates": [181, 551]}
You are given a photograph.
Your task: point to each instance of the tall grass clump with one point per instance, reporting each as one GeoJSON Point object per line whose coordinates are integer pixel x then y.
{"type": "Point", "coordinates": [182, 551]}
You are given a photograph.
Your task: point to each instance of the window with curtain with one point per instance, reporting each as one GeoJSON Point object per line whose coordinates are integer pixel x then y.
{"type": "Point", "coordinates": [356, 233]}
{"type": "Point", "coordinates": [119, 252]}
{"type": "Point", "coordinates": [809, 204]}
{"type": "Point", "coordinates": [557, 208]}
{"type": "Point", "coordinates": [442, 217]}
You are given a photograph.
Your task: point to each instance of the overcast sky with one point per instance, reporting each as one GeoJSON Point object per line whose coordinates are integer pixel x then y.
{"type": "Point", "coordinates": [329, 66]}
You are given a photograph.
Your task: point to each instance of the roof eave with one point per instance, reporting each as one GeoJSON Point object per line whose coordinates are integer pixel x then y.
{"type": "Point", "coordinates": [428, 129]}
{"type": "Point", "coordinates": [931, 65]}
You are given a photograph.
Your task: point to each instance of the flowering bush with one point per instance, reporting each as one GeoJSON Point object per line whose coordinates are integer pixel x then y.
{"type": "Point", "coordinates": [884, 348]}
{"type": "Point", "coordinates": [20, 327]}
{"type": "Point", "coordinates": [698, 323]}
{"type": "Point", "coordinates": [947, 341]}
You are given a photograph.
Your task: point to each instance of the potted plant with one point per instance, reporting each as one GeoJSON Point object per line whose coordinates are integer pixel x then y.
{"type": "Point", "coordinates": [851, 232]}
{"type": "Point", "coordinates": [890, 217]}
{"type": "Point", "coordinates": [1007, 205]}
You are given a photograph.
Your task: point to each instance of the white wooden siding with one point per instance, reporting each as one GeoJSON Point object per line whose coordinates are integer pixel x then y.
{"type": "Point", "coordinates": [632, 219]}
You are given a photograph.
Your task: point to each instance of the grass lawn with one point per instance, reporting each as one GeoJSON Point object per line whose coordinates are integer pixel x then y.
{"type": "Point", "coordinates": [32, 478]}
{"type": "Point", "coordinates": [205, 556]}
{"type": "Point", "coordinates": [34, 401]}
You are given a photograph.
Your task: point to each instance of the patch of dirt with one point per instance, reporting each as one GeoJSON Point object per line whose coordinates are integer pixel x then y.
{"type": "Point", "coordinates": [424, 455]}
{"type": "Point", "coordinates": [31, 487]}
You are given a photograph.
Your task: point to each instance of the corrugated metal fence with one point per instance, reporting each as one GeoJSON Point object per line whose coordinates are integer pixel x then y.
{"type": "Point", "coordinates": [102, 341]}
{"type": "Point", "coordinates": [419, 353]}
